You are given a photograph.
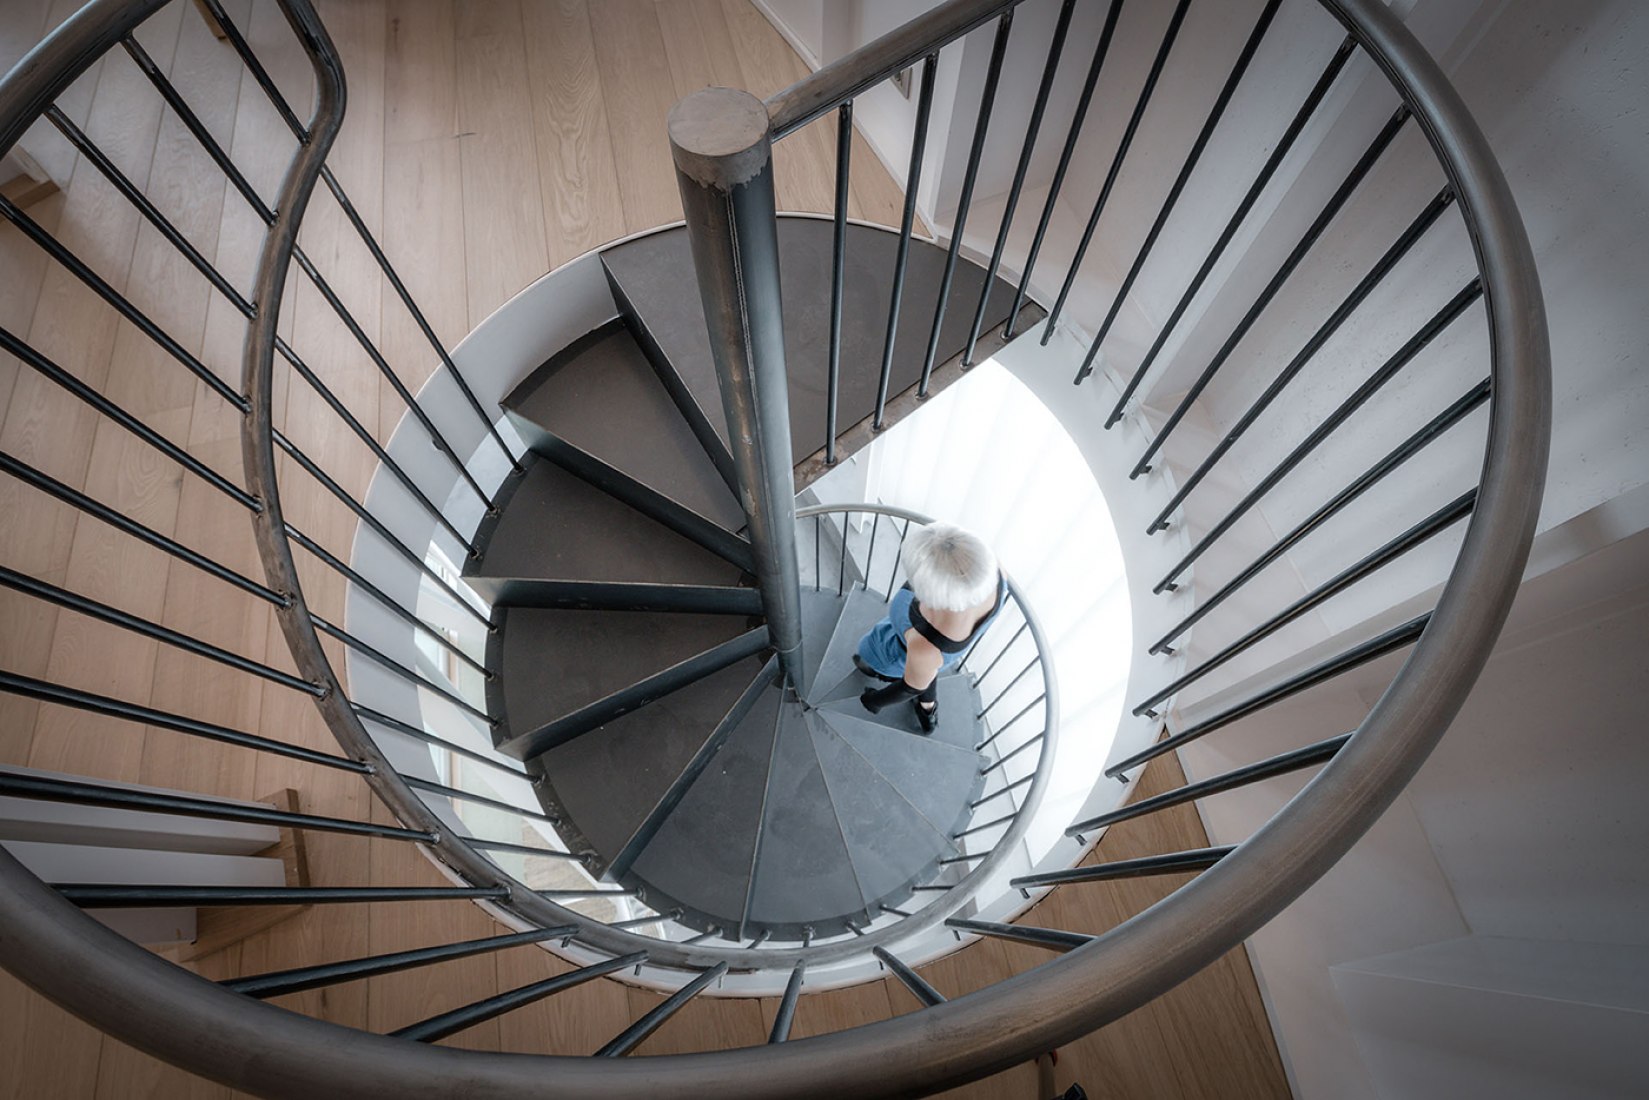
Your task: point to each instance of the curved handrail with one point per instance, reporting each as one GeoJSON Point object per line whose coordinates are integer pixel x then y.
{"type": "Point", "coordinates": [172, 1013]}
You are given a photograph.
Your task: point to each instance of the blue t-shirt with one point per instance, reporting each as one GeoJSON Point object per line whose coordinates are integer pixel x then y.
{"type": "Point", "coordinates": [883, 646]}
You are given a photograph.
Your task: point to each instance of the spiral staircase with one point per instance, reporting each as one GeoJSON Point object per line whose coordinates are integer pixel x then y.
{"type": "Point", "coordinates": [585, 577]}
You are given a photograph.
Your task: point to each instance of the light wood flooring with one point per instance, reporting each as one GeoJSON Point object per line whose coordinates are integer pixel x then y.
{"type": "Point", "coordinates": [486, 143]}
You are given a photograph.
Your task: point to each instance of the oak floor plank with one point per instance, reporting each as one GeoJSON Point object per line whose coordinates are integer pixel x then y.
{"type": "Point", "coordinates": [638, 90]}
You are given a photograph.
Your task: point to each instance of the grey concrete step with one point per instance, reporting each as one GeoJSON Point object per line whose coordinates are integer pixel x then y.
{"type": "Point", "coordinates": [860, 611]}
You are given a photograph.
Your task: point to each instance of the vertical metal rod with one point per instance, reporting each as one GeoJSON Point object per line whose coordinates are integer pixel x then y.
{"type": "Point", "coordinates": [893, 574]}
{"type": "Point", "coordinates": [54, 373]}
{"type": "Point", "coordinates": [120, 303]}
{"type": "Point", "coordinates": [987, 102]}
{"type": "Point", "coordinates": [1361, 291]}
{"type": "Point", "coordinates": [1140, 104]}
{"type": "Point", "coordinates": [134, 195]}
{"type": "Point", "coordinates": [390, 376]}
{"type": "Point", "coordinates": [1071, 137]}
{"type": "Point", "coordinates": [1336, 201]}
{"type": "Point", "coordinates": [913, 179]}
{"type": "Point", "coordinates": [1433, 429]}
{"type": "Point", "coordinates": [913, 981]}
{"type": "Point", "coordinates": [841, 573]}
{"type": "Point", "coordinates": [838, 270]}
{"type": "Point", "coordinates": [870, 555]}
{"type": "Point", "coordinates": [195, 126]}
{"type": "Point", "coordinates": [270, 90]}
{"type": "Point", "coordinates": [309, 466]}
{"type": "Point", "coordinates": [818, 576]}
{"type": "Point", "coordinates": [724, 170]}
{"type": "Point", "coordinates": [633, 1035]}
{"type": "Point", "coordinates": [1222, 101]}
{"type": "Point", "coordinates": [1284, 144]}
{"type": "Point", "coordinates": [1049, 68]}
{"type": "Point", "coordinates": [1399, 359]}
{"type": "Point", "coordinates": [787, 1005]}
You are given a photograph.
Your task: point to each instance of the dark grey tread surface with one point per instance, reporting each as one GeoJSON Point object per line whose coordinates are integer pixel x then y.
{"type": "Point", "coordinates": [602, 395]}
{"type": "Point", "coordinates": [937, 778]}
{"type": "Point", "coordinates": [653, 277]}
{"type": "Point", "coordinates": [558, 527]}
{"type": "Point", "coordinates": [704, 850]}
{"type": "Point", "coordinates": [803, 871]}
{"type": "Point", "coordinates": [556, 661]}
{"type": "Point", "coordinates": [606, 783]}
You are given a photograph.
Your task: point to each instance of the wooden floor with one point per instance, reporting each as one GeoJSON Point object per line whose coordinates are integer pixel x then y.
{"type": "Point", "coordinates": [486, 143]}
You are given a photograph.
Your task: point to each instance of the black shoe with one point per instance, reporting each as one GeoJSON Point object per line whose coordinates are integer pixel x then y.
{"type": "Point", "coordinates": [926, 716]}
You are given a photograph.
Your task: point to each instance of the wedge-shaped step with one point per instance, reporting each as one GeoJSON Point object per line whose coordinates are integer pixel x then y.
{"type": "Point", "coordinates": [574, 396]}
{"type": "Point", "coordinates": [702, 854]}
{"type": "Point", "coordinates": [819, 614]}
{"type": "Point", "coordinates": [958, 708]}
{"type": "Point", "coordinates": [592, 716]}
{"type": "Point", "coordinates": [938, 779]}
{"type": "Point", "coordinates": [623, 596]}
{"type": "Point", "coordinates": [891, 842]}
{"type": "Point", "coordinates": [860, 611]}
{"type": "Point", "coordinates": [605, 784]}
{"type": "Point", "coordinates": [556, 526]}
{"type": "Point", "coordinates": [647, 275]}
{"type": "Point", "coordinates": [554, 662]}
{"type": "Point", "coordinates": [803, 874]}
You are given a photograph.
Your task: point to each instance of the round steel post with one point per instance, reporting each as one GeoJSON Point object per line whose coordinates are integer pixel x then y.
{"type": "Point", "coordinates": [724, 167]}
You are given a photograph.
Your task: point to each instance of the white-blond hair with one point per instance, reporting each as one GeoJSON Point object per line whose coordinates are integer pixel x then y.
{"type": "Point", "coordinates": [950, 569]}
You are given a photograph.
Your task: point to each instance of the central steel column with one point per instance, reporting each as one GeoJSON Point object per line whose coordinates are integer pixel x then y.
{"type": "Point", "coordinates": [724, 167]}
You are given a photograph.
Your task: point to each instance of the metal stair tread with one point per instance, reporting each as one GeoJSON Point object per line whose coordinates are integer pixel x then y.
{"type": "Point", "coordinates": [555, 526]}
{"type": "Point", "coordinates": [579, 393]}
{"type": "Point", "coordinates": [651, 270]}
{"type": "Point", "coordinates": [648, 747]}
{"type": "Point", "coordinates": [860, 610]}
{"type": "Point", "coordinates": [554, 661]}
{"type": "Point", "coordinates": [803, 874]}
{"type": "Point", "coordinates": [890, 841]}
{"type": "Point", "coordinates": [937, 778]}
{"type": "Point", "coordinates": [957, 696]}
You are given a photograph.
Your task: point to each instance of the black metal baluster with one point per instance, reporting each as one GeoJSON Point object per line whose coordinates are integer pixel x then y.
{"type": "Point", "coordinates": [913, 179]}
{"type": "Point", "coordinates": [361, 432]}
{"type": "Point", "coordinates": [120, 303]}
{"type": "Point", "coordinates": [1363, 289]}
{"type": "Point", "coordinates": [419, 733]}
{"type": "Point", "coordinates": [389, 375]}
{"type": "Point", "coordinates": [1399, 359]}
{"type": "Point", "coordinates": [86, 793]}
{"type": "Point", "coordinates": [410, 675]}
{"type": "Point", "coordinates": [344, 570]}
{"type": "Point", "coordinates": [1389, 641]}
{"type": "Point", "coordinates": [72, 496]}
{"type": "Point", "coordinates": [787, 1005]}
{"type": "Point", "coordinates": [970, 177]}
{"type": "Point", "coordinates": [1071, 137]}
{"type": "Point", "coordinates": [1341, 194]}
{"type": "Point", "coordinates": [1172, 863]}
{"type": "Point", "coordinates": [911, 980]}
{"type": "Point", "coordinates": [1439, 424]}
{"type": "Point", "coordinates": [1434, 524]}
{"type": "Point", "coordinates": [1284, 144]}
{"type": "Point", "coordinates": [1140, 104]}
{"type": "Point", "coordinates": [373, 522]}
{"type": "Point", "coordinates": [297, 980]}
{"type": "Point", "coordinates": [1282, 764]}
{"type": "Point", "coordinates": [56, 374]}
{"type": "Point", "coordinates": [261, 75]}
{"type": "Point", "coordinates": [450, 1023]}
{"type": "Point", "coordinates": [1037, 937]}
{"type": "Point", "coordinates": [838, 271]}
{"type": "Point", "coordinates": [47, 692]}
{"type": "Point", "coordinates": [74, 601]}
{"type": "Point", "coordinates": [1222, 101]}
{"type": "Point", "coordinates": [632, 1036]}
{"type": "Point", "coordinates": [1032, 129]}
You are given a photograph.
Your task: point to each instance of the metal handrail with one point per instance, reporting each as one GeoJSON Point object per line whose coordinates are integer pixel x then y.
{"type": "Point", "coordinates": [167, 1011]}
